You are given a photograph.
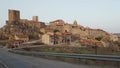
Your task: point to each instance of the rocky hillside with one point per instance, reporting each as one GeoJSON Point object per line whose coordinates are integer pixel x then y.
{"type": "Point", "coordinates": [74, 33]}
{"type": "Point", "coordinates": [19, 28]}
{"type": "Point", "coordinates": [80, 35]}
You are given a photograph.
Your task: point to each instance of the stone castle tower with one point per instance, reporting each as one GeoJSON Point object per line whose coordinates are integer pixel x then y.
{"type": "Point", "coordinates": [13, 15]}
{"type": "Point", "coordinates": [35, 18]}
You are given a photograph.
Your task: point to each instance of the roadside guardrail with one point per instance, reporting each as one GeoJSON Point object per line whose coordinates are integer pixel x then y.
{"type": "Point", "coordinates": [81, 56]}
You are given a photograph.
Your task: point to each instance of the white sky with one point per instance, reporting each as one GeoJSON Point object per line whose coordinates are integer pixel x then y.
{"type": "Point", "coordinates": [103, 14]}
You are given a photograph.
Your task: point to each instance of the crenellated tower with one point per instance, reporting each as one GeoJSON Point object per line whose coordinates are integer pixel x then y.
{"type": "Point", "coordinates": [13, 15]}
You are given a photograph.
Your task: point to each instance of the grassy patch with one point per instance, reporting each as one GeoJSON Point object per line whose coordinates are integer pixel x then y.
{"type": "Point", "coordinates": [3, 42]}
{"type": "Point", "coordinates": [77, 50]}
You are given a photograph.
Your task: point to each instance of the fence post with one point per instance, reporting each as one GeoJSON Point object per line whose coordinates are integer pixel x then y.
{"type": "Point", "coordinates": [118, 65]}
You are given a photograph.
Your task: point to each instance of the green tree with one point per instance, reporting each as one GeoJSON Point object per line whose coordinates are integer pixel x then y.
{"type": "Point", "coordinates": [98, 38]}
{"type": "Point", "coordinates": [56, 31]}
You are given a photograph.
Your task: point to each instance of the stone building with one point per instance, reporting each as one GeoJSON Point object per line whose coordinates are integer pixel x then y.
{"type": "Point", "coordinates": [66, 38]}
{"type": "Point", "coordinates": [17, 39]}
{"type": "Point", "coordinates": [75, 24]}
{"type": "Point", "coordinates": [67, 27]}
{"type": "Point", "coordinates": [58, 22]}
{"type": "Point", "coordinates": [21, 37]}
{"type": "Point", "coordinates": [48, 38]}
{"type": "Point", "coordinates": [13, 15]}
{"type": "Point", "coordinates": [57, 38]}
{"type": "Point", "coordinates": [35, 18]}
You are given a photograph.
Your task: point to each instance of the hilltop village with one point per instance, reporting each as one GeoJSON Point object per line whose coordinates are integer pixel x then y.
{"type": "Point", "coordinates": [17, 31]}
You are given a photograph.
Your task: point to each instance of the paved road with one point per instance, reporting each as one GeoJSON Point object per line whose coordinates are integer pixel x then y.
{"type": "Point", "coordinates": [1, 65]}
{"type": "Point", "coordinates": [19, 61]}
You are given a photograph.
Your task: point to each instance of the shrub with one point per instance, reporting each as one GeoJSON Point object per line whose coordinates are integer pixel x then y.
{"type": "Point", "coordinates": [98, 38]}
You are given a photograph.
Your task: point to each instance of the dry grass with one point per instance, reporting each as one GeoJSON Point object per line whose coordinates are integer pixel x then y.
{"type": "Point", "coordinates": [77, 50]}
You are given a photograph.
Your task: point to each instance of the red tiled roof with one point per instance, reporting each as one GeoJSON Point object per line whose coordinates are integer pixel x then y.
{"type": "Point", "coordinates": [59, 24]}
{"type": "Point", "coordinates": [68, 33]}
{"type": "Point", "coordinates": [50, 34]}
{"type": "Point", "coordinates": [49, 29]}
{"type": "Point", "coordinates": [37, 24]}
{"type": "Point", "coordinates": [91, 41]}
{"type": "Point", "coordinates": [59, 20]}
{"type": "Point", "coordinates": [21, 35]}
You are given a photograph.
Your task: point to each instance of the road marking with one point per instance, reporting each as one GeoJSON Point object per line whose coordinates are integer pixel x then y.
{"type": "Point", "coordinates": [4, 65]}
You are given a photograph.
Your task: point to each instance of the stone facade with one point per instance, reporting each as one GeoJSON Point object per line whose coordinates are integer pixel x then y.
{"type": "Point", "coordinates": [14, 15]}
{"type": "Point", "coordinates": [56, 38]}
{"type": "Point", "coordinates": [17, 39]}
{"type": "Point", "coordinates": [46, 39]}
{"type": "Point", "coordinates": [21, 37]}
{"type": "Point", "coordinates": [35, 18]}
